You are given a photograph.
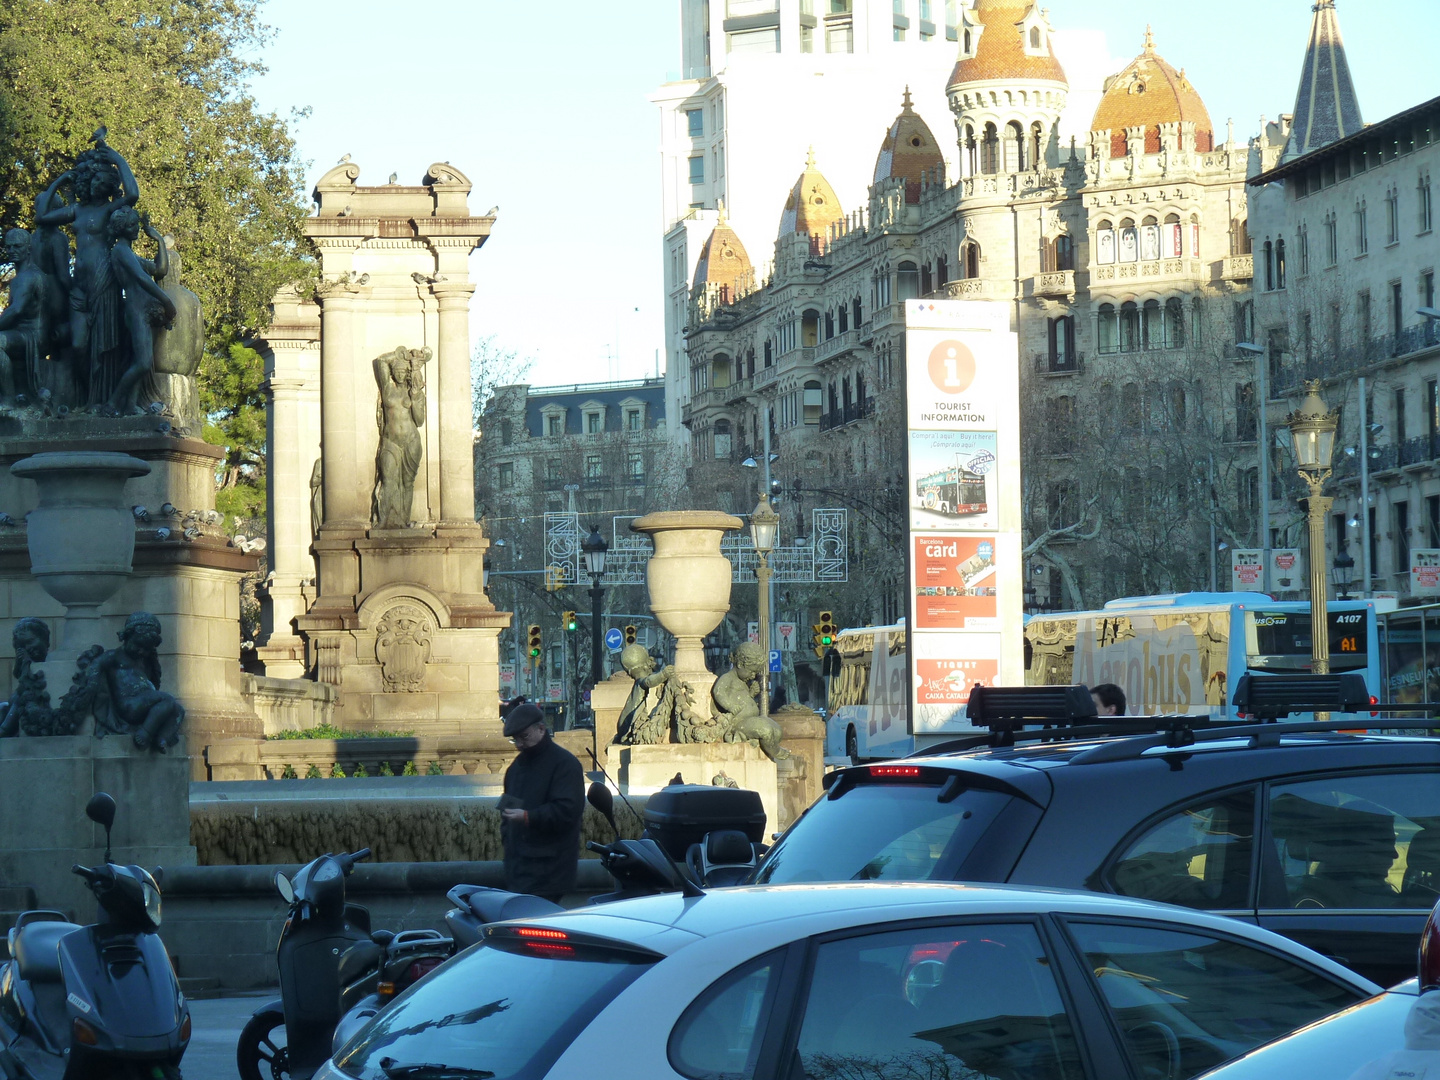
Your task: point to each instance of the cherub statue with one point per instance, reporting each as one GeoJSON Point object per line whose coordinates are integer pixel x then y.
{"type": "Point", "coordinates": [638, 724]}
{"type": "Point", "coordinates": [28, 709]}
{"type": "Point", "coordinates": [125, 688]}
{"type": "Point", "coordinates": [25, 322]}
{"type": "Point", "coordinates": [735, 696]}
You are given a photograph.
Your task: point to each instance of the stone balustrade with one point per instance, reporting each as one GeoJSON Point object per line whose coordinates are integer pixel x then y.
{"type": "Point", "coordinates": [1055, 283]}
{"type": "Point", "coordinates": [1238, 268]}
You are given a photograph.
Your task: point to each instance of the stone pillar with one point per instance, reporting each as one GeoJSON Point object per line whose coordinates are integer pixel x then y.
{"type": "Point", "coordinates": [803, 734]}
{"type": "Point", "coordinates": [283, 652]}
{"type": "Point", "coordinates": [457, 449]}
{"type": "Point", "coordinates": [345, 509]}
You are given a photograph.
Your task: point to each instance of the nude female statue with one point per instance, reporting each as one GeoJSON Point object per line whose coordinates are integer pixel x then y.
{"type": "Point", "coordinates": [146, 303]}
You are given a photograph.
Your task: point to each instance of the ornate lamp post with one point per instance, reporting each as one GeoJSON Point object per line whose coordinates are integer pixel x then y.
{"type": "Point", "coordinates": [594, 548]}
{"type": "Point", "coordinates": [764, 525]}
{"type": "Point", "coordinates": [1312, 431]}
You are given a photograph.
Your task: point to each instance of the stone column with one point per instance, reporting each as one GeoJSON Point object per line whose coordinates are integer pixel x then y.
{"type": "Point", "coordinates": [283, 651]}
{"type": "Point", "coordinates": [457, 452]}
{"type": "Point", "coordinates": [345, 508]}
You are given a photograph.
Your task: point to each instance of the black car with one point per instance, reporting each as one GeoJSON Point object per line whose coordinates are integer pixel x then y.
{"type": "Point", "coordinates": [1327, 837]}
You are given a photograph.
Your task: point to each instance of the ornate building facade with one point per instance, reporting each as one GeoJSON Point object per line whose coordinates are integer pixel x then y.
{"type": "Point", "coordinates": [1124, 258]}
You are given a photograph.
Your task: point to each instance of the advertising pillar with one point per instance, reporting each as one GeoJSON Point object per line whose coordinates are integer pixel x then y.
{"type": "Point", "coordinates": [966, 579]}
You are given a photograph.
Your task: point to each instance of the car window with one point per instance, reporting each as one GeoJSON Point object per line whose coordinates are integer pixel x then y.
{"type": "Point", "coordinates": [719, 1036]}
{"type": "Point", "coordinates": [506, 1009]}
{"type": "Point", "coordinates": [1186, 1002]}
{"type": "Point", "coordinates": [1199, 857]}
{"type": "Point", "coordinates": [978, 1002]}
{"type": "Point", "coordinates": [882, 832]}
{"type": "Point", "coordinates": [1359, 841]}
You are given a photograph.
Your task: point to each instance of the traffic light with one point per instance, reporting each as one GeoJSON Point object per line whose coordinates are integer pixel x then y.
{"type": "Point", "coordinates": [825, 631]}
{"type": "Point", "coordinates": [630, 634]}
{"type": "Point", "coordinates": [536, 647]}
{"type": "Point", "coordinates": [568, 620]}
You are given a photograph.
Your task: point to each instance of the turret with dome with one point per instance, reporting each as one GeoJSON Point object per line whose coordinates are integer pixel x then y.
{"type": "Point", "coordinates": [812, 207]}
{"type": "Point", "coordinates": [909, 153]}
{"type": "Point", "coordinates": [1147, 104]}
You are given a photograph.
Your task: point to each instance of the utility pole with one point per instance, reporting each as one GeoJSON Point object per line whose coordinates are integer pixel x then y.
{"type": "Point", "coordinates": [1364, 514]}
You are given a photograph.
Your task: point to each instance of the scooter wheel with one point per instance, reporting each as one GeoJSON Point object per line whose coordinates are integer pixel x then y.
{"type": "Point", "coordinates": [258, 1054]}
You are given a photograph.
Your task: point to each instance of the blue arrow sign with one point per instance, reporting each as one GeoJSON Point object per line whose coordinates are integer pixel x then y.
{"type": "Point", "coordinates": [774, 660]}
{"type": "Point", "coordinates": [614, 639]}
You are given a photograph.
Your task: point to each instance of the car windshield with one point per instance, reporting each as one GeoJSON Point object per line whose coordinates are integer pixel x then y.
{"type": "Point", "coordinates": [1333, 1049]}
{"type": "Point", "coordinates": [882, 832]}
{"type": "Point", "coordinates": [503, 1010]}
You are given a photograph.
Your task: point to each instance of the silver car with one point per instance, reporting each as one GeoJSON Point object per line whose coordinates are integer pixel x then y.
{"type": "Point", "coordinates": [857, 980]}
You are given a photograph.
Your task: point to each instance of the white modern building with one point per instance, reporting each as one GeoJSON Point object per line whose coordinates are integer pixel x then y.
{"type": "Point", "coordinates": [768, 82]}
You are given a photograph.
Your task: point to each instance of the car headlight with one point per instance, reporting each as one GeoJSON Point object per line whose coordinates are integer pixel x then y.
{"type": "Point", "coordinates": [152, 902]}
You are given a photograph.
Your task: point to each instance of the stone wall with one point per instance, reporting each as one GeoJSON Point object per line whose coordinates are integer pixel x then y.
{"type": "Point", "coordinates": [289, 704]}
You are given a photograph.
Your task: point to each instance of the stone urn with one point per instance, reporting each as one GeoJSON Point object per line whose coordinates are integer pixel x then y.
{"type": "Point", "coordinates": [689, 584]}
{"type": "Point", "coordinates": [82, 534]}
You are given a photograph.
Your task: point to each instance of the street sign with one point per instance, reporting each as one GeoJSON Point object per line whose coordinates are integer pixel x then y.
{"type": "Point", "coordinates": [507, 679]}
{"type": "Point", "coordinates": [614, 639]}
{"type": "Point", "coordinates": [786, 632]}
{"type": "Point", "coordinates": [774, 660]}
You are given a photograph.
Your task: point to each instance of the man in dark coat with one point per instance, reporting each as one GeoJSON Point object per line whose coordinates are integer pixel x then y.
{"type": "Point", "coordinates": [541, 809]}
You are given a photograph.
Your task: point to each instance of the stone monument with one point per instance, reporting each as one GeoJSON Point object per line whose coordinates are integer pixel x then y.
{"type": "Point", "coordinates": [376, 558]}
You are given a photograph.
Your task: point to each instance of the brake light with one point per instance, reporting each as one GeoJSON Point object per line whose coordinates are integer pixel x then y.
{"type": "Point", "coordinates": [419, 969]}
{"type": "Point", "coordinates": [894, 771]}
{"type": "Point", "coordinates": [541, 933]}
{"type": "Point", "coordinates": [1430, 952]}
{"type": "Point", "coordinates": [1374, 701]}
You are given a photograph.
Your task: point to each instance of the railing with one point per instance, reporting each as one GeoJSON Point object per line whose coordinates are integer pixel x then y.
{"type": "Point", "coordinates": [1148, 269]}
{"type": "Point", "coordinates": [883, 316]}
{"type": "Point", "coordinates": [971, 289]}
{"type": "Point", "coordinates": [1238, 268]}
{"type": "Point", "coordinates": [847, 414]}
{"type": "Point", "coordinates": [1045, 364]}
{"type": "Point", "coordinates": [1054, 283]}
{"type": "Point", "coordinates": [765, 376]}
{"type": "Point", "coordinates": [838, 345]}
{"type": "Point", "coordinates": [1353, 359]}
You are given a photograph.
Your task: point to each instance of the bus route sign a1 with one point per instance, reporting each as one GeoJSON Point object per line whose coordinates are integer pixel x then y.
{"type": "Point", "coordinates": [963, 494]}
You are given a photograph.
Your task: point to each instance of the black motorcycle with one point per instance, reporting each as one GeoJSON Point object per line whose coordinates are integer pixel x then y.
{"type": "Point", "coordinates": [96, 1002]}
{"type": "Point", "coordinates": [329, 959]}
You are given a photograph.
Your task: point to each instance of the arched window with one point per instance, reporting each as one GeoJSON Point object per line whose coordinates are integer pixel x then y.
{"type": "Point", "coordinates": [855, 312]}
{"type": "Point", "coordinates": [1129, 327]}
{"type": "Point", "coordinates": [750, 364]}
{"type": "Point", "coordinates": [969, 165]}
{"type": "Point", "coordinates": [926, 281]}
{"type": "Point", "coordinates": [1062, 343]}
{"type": "Point", "coordinates": [810, 328]}
{"type": "Point", "coordinates": [1195, 236]}
{"type": "Point", "coordinates": [1064, 257]}
{"type": "Point", "coordinates": [967, 41]}
{"type": "Point", "coordinates": [814, 403]}
{"type": "Point", "coordinates": [1150, 239]}
{"type": "Point", "coordinates": [1037, 142]}
{"type": "Point", "coordinates": [1240, 243]}
{"type": "Point", "coordinates": [843, 317]}
{"type": "Point", "coordinates": [942, 271]}
{"type": "Point", "coordinates": [769, 353]}
{"type": "Point", "coordinates": [1174, 323]}
{"type": "Point", "coordinates": [970, 259]}
{"type": "Point", "coordinates": [1152, 334]}
{"type": "Point", "coordinates": [1105, 242]}
{"type": "Point", "coordinates": [1172, 239]}
{"type": "Point", "coordinates": [990, 151]}
{"type": "Point", "coordinates": [1014, 147]}
{"type": "Point", "coordinates": [829, 325]}
{"type": "Point", "coordinates": [907, 281]}
{"type": "Point", "coordinates": [1269, 250]}
{"type": "Point", "coordinates": [1034, 37]}
{"type": "Point", "coordinates": [1129, 241]}
{"type": "Point", "coordinates": [1280, 263]}
{"type": "Point", "coordinates": [1107, 331]}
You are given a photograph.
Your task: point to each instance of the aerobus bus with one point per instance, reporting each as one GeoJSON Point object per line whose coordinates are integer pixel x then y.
{"type": "Point", "coordinates": [954, 492]}
{"type": "Point", "coordinates": [1183, 654]}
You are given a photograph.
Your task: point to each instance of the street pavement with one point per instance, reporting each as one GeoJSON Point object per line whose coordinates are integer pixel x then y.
{"type": "Point", "coordinates": [216, 1024]}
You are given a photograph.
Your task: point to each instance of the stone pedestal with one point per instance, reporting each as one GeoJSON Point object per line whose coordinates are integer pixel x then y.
{"type": "Point", "coordinates": [803, 734]}
{"type": "Point", "coordinates": [192, 584]}
{"type": "Point", "coordinates": [606, 701]}
{"type": "Point", "coordinates": [44, 786]}
{"type": "Point", "coordinates": [642, 770]}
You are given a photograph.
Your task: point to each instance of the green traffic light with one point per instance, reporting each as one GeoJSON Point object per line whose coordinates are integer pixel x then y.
{"type": "Point", "coordinates": [826, 639]}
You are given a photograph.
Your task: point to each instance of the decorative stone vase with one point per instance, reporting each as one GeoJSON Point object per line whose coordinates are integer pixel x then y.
{"type": "Point", "coordinates": [82, 534]}
{"type": "Point", "coordinates": [689, 584]}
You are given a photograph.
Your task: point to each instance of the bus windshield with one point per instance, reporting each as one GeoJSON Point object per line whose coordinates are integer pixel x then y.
{"type": "Point", "coordinates": [1281, 640]}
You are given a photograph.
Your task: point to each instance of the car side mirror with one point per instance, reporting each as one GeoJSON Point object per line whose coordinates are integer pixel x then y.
{"type": "Point", "coordinates": [598, 796]}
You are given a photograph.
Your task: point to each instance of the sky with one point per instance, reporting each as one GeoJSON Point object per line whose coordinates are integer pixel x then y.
{"type": "Point", "coordinates": [545, 107]}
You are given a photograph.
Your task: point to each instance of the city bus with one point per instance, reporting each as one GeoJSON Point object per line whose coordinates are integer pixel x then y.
{"type": "Point", "coordinates": [956, 492]}
{"type": "Point", "coordinates": [1183, 654]}
{"type": "Point", "coordinates": [869, 688]}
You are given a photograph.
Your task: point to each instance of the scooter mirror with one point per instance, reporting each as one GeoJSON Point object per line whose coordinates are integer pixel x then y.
{"type": "Point", "coordinates": [101, 810]}
{"type": "Point", "coordinates": [598, 796]}
{"type": "Point", "coordinates": [287, 891]}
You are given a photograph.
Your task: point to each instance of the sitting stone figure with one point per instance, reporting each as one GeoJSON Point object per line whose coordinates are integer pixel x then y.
{"type": "Point", "coordinates": [28, 709]}
{"type": "Point", "coordinates": [735, 697]}
{"type": "Point", "coordinates": [123, 688]}
{"type": "Point", "coordinates": [637, 724]}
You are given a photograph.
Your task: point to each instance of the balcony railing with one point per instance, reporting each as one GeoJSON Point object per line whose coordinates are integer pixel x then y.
{"type": "Point", "coordinates": [1354, 359]}
{"type": "Point", "coordinates": [1148, 270]}
{"type": "Point", "coordinates": [839, 345]}
{"type": "Point", "coordinates": [847, 414]}
{"type": "Point", "coordinates": [1059, 283]}
{"type": "Point", "coordinates": [1045, 364]}
{"type": "Point", "coordinates": [1238, 268]}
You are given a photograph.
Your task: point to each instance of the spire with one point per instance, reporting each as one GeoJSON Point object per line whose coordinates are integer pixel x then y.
{"type": "Point", "coordinates": [1149, 39]}
{"type": "Point", "coordinates": [810, 157]}
{"type": "Point", "coordinates": [908, 107]}
{"type": "Point", "coordinates": [1326, 108]}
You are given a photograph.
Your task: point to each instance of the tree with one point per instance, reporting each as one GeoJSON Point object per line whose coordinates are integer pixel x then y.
{"type": "Point", "coordinates": [491, 367]}
{"type": "Point", "coordinates": [169, 78]}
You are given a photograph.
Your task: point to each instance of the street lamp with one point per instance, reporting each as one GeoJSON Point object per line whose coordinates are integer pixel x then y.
{"type": "Point", "coordinates": [1312, 431]}
{"type": "Point", "coordinates": [764, 525]}
{"type": "Point", "coordinates": [1340, 573]}
{"type": "Point", "coordinates": [594, 548]}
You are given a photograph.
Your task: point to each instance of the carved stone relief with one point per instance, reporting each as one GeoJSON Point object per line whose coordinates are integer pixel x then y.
{"type": "Point", "coordinates": [402, 645]}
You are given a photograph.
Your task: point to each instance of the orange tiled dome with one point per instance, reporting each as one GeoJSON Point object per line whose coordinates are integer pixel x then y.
{"type": "Point", "coordinates": [812, 206]}
{"type": "Point", "coordinates": [723, 260]}
{"type": "Point", "coordinates": [1149, 92]}
{"type": "Point", "coordinates": [909, 149]}
{"type": "Point", "coordinates": [1001, 53]}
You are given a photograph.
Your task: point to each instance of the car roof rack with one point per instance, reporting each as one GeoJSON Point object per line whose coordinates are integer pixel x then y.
{"type": "Point", "coordinates": [1269, 697]}
{"type": "Point", "coordinates": [1262, 734]}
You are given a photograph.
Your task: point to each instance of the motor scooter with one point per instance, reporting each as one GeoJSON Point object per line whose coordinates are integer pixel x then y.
{"type": "Point", "coordinates": [328, 959]}
{"type": "Point", "coordinates": [409, 956]}
{"type": "Point", "coordinates": [98, 1002]}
